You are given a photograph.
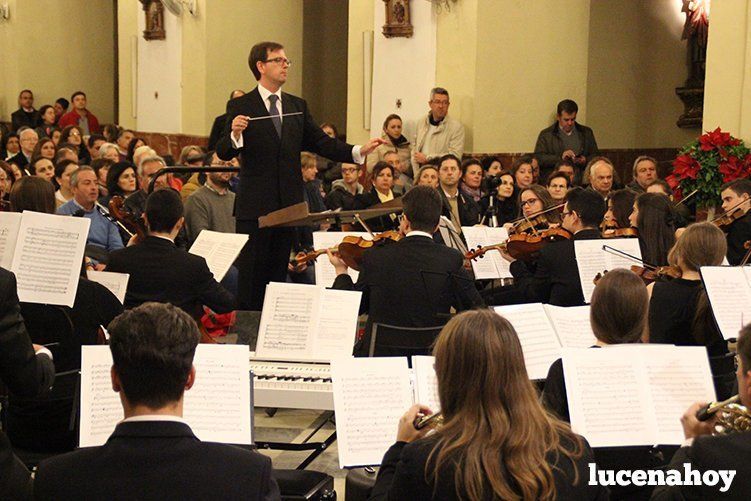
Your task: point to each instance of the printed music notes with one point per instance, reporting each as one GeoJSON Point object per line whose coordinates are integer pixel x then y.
{"type": "Point", "coordinates": [307, 323]}
{"type": "Point", "coordinates": [325, 272]}
{"type": "Point", "coordinates": [426, 383]}
{"type": "Point", "coordinates": [117, 283]}
{"type": "Point", "coordinates": [492, 264]}
{"type": "Point", "coordinates": [217, 407]}
{"type": "Point", "coordinates": [218, 249]}
{"type": "Point", "coordinates": [544, 329]}
{"type": "Point", "coordinates": [729, 292]}
{"type": "Point", "coordinates": [634, 394]}
{"type": "Point", "coordinates": [591, 259]}
{"type": "Point", "coordinates": [370, 395]}
{"type": "Point", "coordinates": [10, 222]}
{"type": "Point", "coordinates": [47, 257]}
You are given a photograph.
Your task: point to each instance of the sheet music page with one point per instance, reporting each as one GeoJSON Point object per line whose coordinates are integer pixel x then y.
{"type": "Point", "coordinates": [48, 256]}
{"type": "Point", "coordinates": [217, 407]}
{"type": "Point", "coordinates": [288, 320]}
{"type": "Point", "coordinates": [101, 409]}
{"type": "Point", "coordinates": [219, 250]}
{"type": "Point", "coordinates": [325, 273]}
{"type": "Point", "coordinates": [729, 295]}
{"type": "Point", "coordinates": [10, 222]}
{"type": "Point", "coordinates": [490, 265]}
{"type": "Point", "coordinates": [572, 325]}
{"type": "Point", "coordinates": [591, 259]}
{"type": "Point", "coordinates": [370, 395]}
{"type": "Point", "coordinates": [335, 335]}
{"type": "Point", "coordinates": [678, 376]}
{"type": "Point", "coordinates": [117, 283]}
{"type": "Point", "coordinates": [426, 382]}
{"type": "Point", "coordinates": [539, 341]}
{"type": "Point", "coordinates": [607, 399]}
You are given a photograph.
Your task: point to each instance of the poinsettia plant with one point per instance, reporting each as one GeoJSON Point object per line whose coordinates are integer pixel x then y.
{"type": "Point", "coordinates": [706, 164]}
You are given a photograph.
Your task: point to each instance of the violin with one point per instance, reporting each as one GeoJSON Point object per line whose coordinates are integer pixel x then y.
{"type": "Point", "coordinates": [724, 220]}
{"type": "Point", "coordinates": [620, 233]}
{"type": "Point", "coordinates": [523, 246]}
{"type": "Point", "coordinates": [126, 218]}
{"type": "Point", "coordinates": [351, 249]}
{"type": "Point", "coordinates": [531, 224]}
{"type": "Point", "coordinates": [650, 274]}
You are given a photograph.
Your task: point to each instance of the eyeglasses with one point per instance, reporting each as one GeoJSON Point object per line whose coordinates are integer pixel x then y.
{"type": "Point", "coordinates": [279, 60]}
{"type": "Point", "coordinates": [349, 170]}
{"type": "Point", "coordinates": [530, 201]}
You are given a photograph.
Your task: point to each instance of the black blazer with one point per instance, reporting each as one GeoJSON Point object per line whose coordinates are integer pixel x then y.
{"type": "Point", "coordinates": [19, 159]}
{"type": "Point", "coordinates": [377, 224]}
{"type": "Point", "coordinates": [216, 131]}
{"type": "Point", "coordinates": [20, 118]}
{"type": "Point", "coordinates": [556, 278]}
{"type": "Point", "coordinates": [411, 283]}
{"type": "Point", "coordinates": [161, 272]}
{"type": "Point", "coordinates": [156, 460]}
{"type": "Point", "coordinates": [24, 373]}
{"type": "Point", "coordinates": [469, 210]}
{"type": "Point", "coordinates": [738, 234]}
{"type": "Point", "coordinates": [270, 176]}
{"type": "Point", "coordinates": [402, 476]}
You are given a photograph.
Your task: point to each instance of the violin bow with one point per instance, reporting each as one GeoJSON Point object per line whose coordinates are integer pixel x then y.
{"type": "Point", "coordinates": [112, 219]}
{"type": "Point", "coordinates": [538, 213]}
{"type": "Point", "coordinates": [360, 220]}
{"type": "Point", "coordinates": [687, 197]}
{"type": "Point", "coordinates": [618, 252]}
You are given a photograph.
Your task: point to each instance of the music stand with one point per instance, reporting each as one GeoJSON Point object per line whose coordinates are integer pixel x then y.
{"type": "Point", "coordinates": [298, 215]}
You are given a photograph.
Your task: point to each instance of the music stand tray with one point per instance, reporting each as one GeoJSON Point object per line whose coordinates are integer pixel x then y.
{"type": "Point", "coordinates": [298, 215]}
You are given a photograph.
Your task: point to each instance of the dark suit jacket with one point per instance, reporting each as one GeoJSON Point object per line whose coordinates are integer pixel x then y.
{"type": "Point", "coordinates": [556, 278]}
{"type": "Point", "coordinates": [270, 176]}
{"type": "Point", "coordinates": [156, 460]}
{"type": "Point", "coordinates": [738, 234]}
{"type": "Point", "coordinates": [402, 475]}
{"type": "Point", "coordinates": [20, 118]}
{"type": "Point", "coordinates": [161, 272]}
{"type": "Point", "coordinates": [377, 224]}
{"type": "Point", "coordinates": [469, 210]}
{"type": "Point", "coordinates": [216, 131]}
{"type": "Point", "coordinates": [24, 373]}
{"type": "Point", "coordinates": [411, 283]}
{"type": "Point", "coordinates": [729, 452]}
{"type": "Point", "coordinates": [19, 159]}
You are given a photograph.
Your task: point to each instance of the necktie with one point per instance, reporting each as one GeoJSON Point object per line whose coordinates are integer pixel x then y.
{"type": "Point", "coordinates": [274, 112]}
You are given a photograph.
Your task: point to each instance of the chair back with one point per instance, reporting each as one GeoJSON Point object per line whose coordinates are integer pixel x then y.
{"type": "Point", "coordinates": [723, 374]}
{"type": "Point", "coordinates": [395, 341]}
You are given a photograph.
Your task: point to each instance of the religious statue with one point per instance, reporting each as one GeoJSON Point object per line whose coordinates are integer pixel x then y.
{"type": "Point", "coordinates": [154, 11]}
{"type": "Point", "coordinates": [695, 30]}
{"type": "Point", "coordinates": [397, 19]}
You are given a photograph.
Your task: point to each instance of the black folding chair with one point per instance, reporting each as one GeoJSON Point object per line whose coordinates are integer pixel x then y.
{"type": "Point", "coordinates": [394, 341]}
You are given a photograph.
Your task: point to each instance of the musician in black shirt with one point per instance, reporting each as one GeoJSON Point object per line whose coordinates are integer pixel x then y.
{"type": "Point", "coordinates": [736, 196]}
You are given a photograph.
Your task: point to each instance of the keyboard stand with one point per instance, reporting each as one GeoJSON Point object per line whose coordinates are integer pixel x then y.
{"type": "Point", "coordinates": [316, 447]}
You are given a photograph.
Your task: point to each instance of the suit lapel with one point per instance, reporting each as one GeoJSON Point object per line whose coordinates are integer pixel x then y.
{"type": "Point", "coordinates": [258, 109]}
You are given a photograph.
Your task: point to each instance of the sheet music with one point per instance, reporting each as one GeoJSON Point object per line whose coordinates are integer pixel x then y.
{"type": "Point", "coordinates": [219, 250]}
{"type": "Point", "coordinates": [426, 382]}
{"type": "Point", "coordinates": [10, 222]}
{"type": "Point", "coordinates": [492, 264]}
{"type": "Point", "coordinates": [324, 271]}
{"type": "Point", "coordinates": [117, 283]}
{"type": "Point", "coordinates": [729, 292]}
{"type": "Point", "coordinates": [370, 395]}
{"type": "Point", "coordinates": [591, 259]}
{"type": "Point", "coordinates": [307, 323]}
{"type": "Point", "coordinates": [539, 340]}
{"type": "Point", "coordinates": [572, 325]}
{"type": "Point", "coordinates": [634, 394]}
{"type": "Point", "coordinates": [48, 256]}
{"type": "Point", "coordinates": [217, 408]}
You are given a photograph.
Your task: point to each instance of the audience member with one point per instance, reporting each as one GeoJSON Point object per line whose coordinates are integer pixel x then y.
{"type": "Point", "coordinates": [471, 181]}
{"type": "Point", "coordinates": [61, 108]}
{"type": "Point", "coordinates": [437, 134]}
{"type": "Point", "coordinates": [523, 172]}
{"type": "Point", "coordinates": [73, 135]}
{"type": "Point", "coordinates": [66, 152]}
{"type": "Point", "coordinates": [491, 166]}
{"type": "Point", "coordinates": [566, 139]}
{"type": "Point", "coordinates": [110, 152]}
{"type": "Point", "coordinates": [44, 168]}
{"type": "Point", "coordinates": [133, 145]}
{"type": "Point", "coordinates": [653, 216]}
{"type": "Point", "coordinates": [101, 168]}
{"type": "Point", "coordinates": [644, 172]}
{"type": "Point", "coordinates": [26, 115]}
{"type": "Point", "coordinates": [345, 190]}
{"type": "Point", "coordinates": [63, 171]}
{"type": "Point", "coordinates": [218, 126]}
{"type": "Point", "coordinates": [558, 184]}
{"type": "Point", "coordinates": [11, 146]}
{"type": "Point", "coordinates": [6, 183]}
{"type": "Point", "coordinates": [736, 199]}
{"type": "Point", "coordinates": [123, 141]}
{"type": "Point", "coordinates": [55, 136]}
{"type": "Point", "coordinates": [47, 121]}
{"type": "Point", "coordinates": [122, 180]}
{"type": "Point", "coordinates": [148, 166]}
{"type": "Point", "coordinates": [567, 167]}
{"type": "Point", "coordinates": [428, 176]}
{"type": "Point", "coordinates": [499, 207]}
{"type": "Point", "coordinates": [152, 453]}
{"type": "Point", "coordinates": [459, 209]}
{"type": "Point", "coordinates": [485, 449]}
{"type": "Point", "coordinates": [211, 206]}
{"type": "Point", "coordinates": [600, 176]}
{"type": "Point", "coordinates": [395, 142]}
{"type": "Point", "coordinates": [93, 144]}
{"type": "Point", "coordinates": [110, 132]}
{"type": "Point", "coordinates": [383, 182]}
{"type": "Point", "coordinates": [28, 140]}
{"type": "Point", "coordinates": [402, 182]}
{"type": "Point", "coordinates": [45, 148]}
{"type": "Point", "coordinates": [191, 156]}
{"type": "Point", "coordinates": [328, 171]}
{"type": "Point", "coordinates": [80, 116]}
{"type": "Point", "coordinates": [415, 281]}
{"type": "Point", "coordinates": [160, 271]}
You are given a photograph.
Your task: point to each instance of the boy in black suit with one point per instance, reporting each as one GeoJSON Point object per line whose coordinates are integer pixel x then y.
{"type": "Point", "coordinates": [153, 454]}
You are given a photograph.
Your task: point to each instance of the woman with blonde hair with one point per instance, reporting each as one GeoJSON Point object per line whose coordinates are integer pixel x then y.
{"type": "Point", "coordinates": [496, 441]}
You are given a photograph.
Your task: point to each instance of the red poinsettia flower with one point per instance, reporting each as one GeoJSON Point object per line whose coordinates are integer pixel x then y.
{"type": "Point", "coordinates": [685, 167]}
{"type": "Point", "coordinates": [731, 169]}
{"type": "Point", "coordinates": [717, 139]}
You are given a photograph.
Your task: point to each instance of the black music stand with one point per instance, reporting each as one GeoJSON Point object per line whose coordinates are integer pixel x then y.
{"type": "Point", "coordinates": [298, 215]}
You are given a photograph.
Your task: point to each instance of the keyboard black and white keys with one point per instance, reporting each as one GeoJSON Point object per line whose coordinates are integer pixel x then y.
{"type": "Point", "coordinates": [292, 385]}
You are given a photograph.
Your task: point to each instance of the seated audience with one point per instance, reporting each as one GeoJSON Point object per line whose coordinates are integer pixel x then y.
{"type": "Point", "coordinates": [383, 182]}
{"type": "Point", "coordinates": [153, 454]}
{"type": "Point", "coordinates": [133, 145]}
{"type": "Point", "coordinates": [73, 135]}
{"type": "Point", "coordinates": [701, 451]}
{"type": "Point", "coordinates": [28, 140]}
{"type": "Point", "coordinates": [110, 132]}
{"type": "Point", "coordinates": [43, 424]}
{"type": "Point", "coordinates": [123, 141]}
{"type": "Point", "coordinates": [61, 108]}
{"type": "Point", "coordinates": [63, 171]}
{"type": "Point", "coordinates": [427, 176]}
{"type": "Point", "coordinates": [11, 146]}
{"type": "Point", "coordinates": [45, 148]}
{"type": "Point", "coordinates": [6, 183]}
{"type": "Point", "coordinates": [122, 180]}
{"type": "Point", "coordinates": [44, 168]}
{"type": "Point", "coordinates": [395, 142]}
{"type": "Point", "coordinates": [558, 184]}
{"type": "Point", "coordinates": [101, 168]}
{"type": "Point", "coordinates": [736, 200]}
{"type": "Point", "coordinates": [328, 171]}
{"type": "Point", "coordinates": [459, 209]}
{"type": "Point", "coordinates": [80, 116]}
{"type": "Point", "coordinates": [191, 156]}
{"type": "Point", "coordinates": [47, 121]}
{"type": "Point", "coordinates": [620, 206]}
{"type": "Point", "coordinates": [566, 139]}
{"type": "Point", "coordinates": [654, 217]}
{"type": "Point", "coordinates": [65, 152]}
{"type": "Point", "coordinates": [496, 441]}
{"type": "Point", "coordinates": [345, 190]}
{"type": "Point", "coordinates": [55, 136]}
{"type": "Point", "coordinates": [93, 144]}
{"type": "Point", "coordinates": [102, 232]}
{"type": "Point", "coordinates": [500, 207]}
{"type": "Point", "coordinates": [211, 206]}
{"type": "Point", "coordinates": [110, 152]}
{"type": "Point", "coordinates": [600, 176]}
{"type": "Point", "coordinates": [413, 282]}
{"type": "Point", "coordinates": [402, 182]}
{"type": "Point", "coordinates": [679, 311]}
{"type": "Point", "coordinates": [471, 182]}
{"type": "Point", "coordinates": [26, 115]}
{"type": "Point", "coordinates": [644, 172]}
{"type": "Point", "coordinates": [160, 271]}
{"type": "Point", "coordinates": [491, 166]}
{"type": "Point", "coordinates": [148, 166]}
{"type": "Point", "coordinates": [523, 172]}
{"type": "Point", "coordinates": [567, 167]}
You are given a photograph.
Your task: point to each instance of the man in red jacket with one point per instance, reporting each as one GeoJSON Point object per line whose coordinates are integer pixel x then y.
{"type": "Point", "coordinates": [80, 116]}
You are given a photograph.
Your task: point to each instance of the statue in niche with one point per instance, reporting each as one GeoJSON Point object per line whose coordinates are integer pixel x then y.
{"type": "Point", "coordinates": [695, 30]}
{"type": "Point", "coordinates": [397, 19]}
{"type": "Point", "coordinates": [154, 11]}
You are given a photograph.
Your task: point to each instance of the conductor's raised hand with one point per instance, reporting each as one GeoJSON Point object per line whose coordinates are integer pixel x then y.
{"type": "Point", "coordinates": [374, 143]}
{"type": "Point", "coordinates": [239, 123]}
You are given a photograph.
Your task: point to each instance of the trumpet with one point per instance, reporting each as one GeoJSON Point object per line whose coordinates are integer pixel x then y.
{"type": "Point", "coordinates": [732, 417]}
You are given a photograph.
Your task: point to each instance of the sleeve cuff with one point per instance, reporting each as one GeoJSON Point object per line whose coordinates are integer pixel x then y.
{"type": "Point", "coordinates": [356, 156]}
{"type": "Point", "coordinates": [236, 144]}
{"type": "Point", "coordinates": [44, 351]}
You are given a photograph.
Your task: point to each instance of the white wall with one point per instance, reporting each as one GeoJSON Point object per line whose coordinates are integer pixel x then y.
{"type": "Point", "coordinates": [403, 68]}
{"type": "Point", "coordinates": [159, 94]}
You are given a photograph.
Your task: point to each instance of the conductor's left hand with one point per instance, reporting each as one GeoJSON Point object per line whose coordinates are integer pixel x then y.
{"type": "Point", "coordinates": [374, 143]}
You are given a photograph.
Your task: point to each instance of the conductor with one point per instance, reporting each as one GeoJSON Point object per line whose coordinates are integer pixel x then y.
{"type": "Point", "coordinates": [270, 128]}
